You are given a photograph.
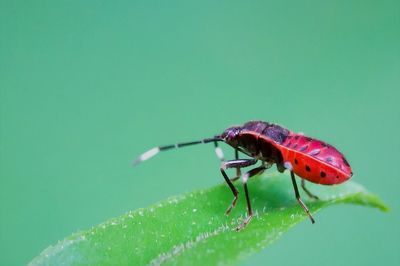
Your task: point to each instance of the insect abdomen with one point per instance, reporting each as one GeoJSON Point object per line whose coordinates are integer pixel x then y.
{"type": "Point", "coordinates": [315, 160]}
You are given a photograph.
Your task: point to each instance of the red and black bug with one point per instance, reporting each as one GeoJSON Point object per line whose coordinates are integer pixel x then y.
{"type": "Point", "coordinates": [310, 159]}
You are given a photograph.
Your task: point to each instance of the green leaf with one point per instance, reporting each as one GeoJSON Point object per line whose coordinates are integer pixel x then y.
{"type": "Point", "coordinates": [192, 228]}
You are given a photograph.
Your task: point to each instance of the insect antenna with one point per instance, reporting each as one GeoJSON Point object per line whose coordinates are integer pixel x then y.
{"type": "Point", "coordinates": [152, 152]}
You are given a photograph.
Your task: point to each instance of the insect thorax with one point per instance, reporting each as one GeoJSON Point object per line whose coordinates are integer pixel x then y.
{"type": "Point", "coordinates": [256, 139]}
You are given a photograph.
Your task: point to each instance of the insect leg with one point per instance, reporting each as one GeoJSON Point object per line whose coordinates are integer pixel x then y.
{"type": "Point", "coordinates": [245, 178]}
{"type": "Point", "coordinates": [220, 155]}
{"type": "Point", "coordinates": [296, 191]}
{"type": "Point", "coordinates": [303, 185]}
{"type": "Point", "coordinates": [238, 172]}
{"type": "Point", "coordinates": [233, 164]}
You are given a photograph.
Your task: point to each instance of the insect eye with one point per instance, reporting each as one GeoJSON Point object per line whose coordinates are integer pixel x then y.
{"type": "Point", "coordinates": [231, 133]}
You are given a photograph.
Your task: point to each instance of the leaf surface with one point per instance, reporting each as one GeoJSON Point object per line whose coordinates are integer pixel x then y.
{"type": "Point", "coordinates": [191, 229]}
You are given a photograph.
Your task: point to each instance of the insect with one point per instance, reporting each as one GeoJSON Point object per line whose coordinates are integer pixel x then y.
{"type": "Point", "coordinates": [311, 159]}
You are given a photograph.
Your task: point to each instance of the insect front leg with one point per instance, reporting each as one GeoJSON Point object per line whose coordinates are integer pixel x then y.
{"type": "Point", "coordinates": [234, 164]}
{"type": "Point", "coordinates": [296, 191]}
{"type": "Point", "coordinates": [245, 178]}
{"type": "Point", "coordinates": [311, 195]}
{"type": "Point", "coordinates": [238, 172]}
{"type": "Point", "coordinates": [220, 155]}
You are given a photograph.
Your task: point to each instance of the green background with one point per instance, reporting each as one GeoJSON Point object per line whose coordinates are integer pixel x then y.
{"type": "Point", "coordinates": [86, 86]}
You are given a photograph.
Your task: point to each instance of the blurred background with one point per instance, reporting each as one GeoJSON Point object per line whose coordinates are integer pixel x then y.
{"type": "Point", "coordinates": [86, 86]}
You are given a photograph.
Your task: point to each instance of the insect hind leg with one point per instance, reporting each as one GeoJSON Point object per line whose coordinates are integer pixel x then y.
{"type": "Point", "coordinates": [296, 191]}
{"type": "Point", "coordinates": [303, 186]}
